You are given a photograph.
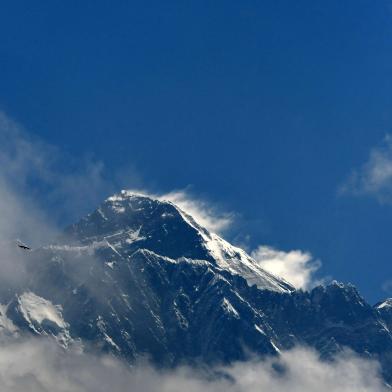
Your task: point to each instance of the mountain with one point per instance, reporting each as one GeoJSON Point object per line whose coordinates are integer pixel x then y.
{"type": "Point", "coordinates": [139, 277]}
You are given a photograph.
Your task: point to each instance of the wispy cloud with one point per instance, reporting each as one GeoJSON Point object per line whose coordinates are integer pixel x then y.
{"type": "Point", "coordinates": [374, 177]}
{"type": "Point", "coordinates": [295, 266]}
{"type": "Point", "coordinates": [207, 214]}
{"type": "Point", "coordinates": [37, 365]}
{"type": "Point", "coordinates": [44, 174]}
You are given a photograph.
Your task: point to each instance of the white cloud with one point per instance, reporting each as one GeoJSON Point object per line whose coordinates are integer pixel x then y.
{"type": "Point", "coordinates": [295, 266]}
{"type": "Point", "coordinates": [206, 214]}
{"type": "Point", "coordinates": [38, 365]}
{"type": "Point", "coordinates": [374, 178]}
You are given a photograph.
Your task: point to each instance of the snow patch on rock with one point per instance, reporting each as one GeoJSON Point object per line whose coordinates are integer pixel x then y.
{"type": "Point", "coordinates": [36, 309]}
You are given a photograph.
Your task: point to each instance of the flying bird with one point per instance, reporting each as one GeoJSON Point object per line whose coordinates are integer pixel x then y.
{"type": "Point", "coordinates": [21, 245]}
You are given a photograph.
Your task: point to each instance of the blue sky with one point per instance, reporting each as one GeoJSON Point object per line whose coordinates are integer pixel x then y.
{"type": "Point", "coordinates": [274, 110]}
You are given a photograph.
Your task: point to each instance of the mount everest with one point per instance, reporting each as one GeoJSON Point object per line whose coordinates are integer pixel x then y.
{"type": "Point", "coordinates": [139, 277]}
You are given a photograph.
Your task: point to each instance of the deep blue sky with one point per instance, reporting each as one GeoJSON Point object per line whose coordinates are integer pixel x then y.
{"type": "Point", "coordinates": [264, 106]}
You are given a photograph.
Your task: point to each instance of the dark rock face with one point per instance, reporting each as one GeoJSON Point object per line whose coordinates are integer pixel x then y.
{"type": "Point", "coordinates": [138, 277]}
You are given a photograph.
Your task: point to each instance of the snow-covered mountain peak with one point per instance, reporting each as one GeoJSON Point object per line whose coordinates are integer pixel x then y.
{"type": "Point", "coordinates": [142, 200]}
{"type": "Point", "coordinates": [128, 221]}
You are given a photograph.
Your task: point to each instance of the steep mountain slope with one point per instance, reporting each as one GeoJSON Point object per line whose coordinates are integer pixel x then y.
{"type": "Point", "coordinates": [127, 222]}
{"type": "Point", "coordinates": [139, 277]}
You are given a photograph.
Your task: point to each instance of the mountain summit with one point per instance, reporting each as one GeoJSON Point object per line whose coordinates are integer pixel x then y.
{"type": "Point", "coordinates": [127, 222]}
{"type": "Point", "coordinates": [140, 277]}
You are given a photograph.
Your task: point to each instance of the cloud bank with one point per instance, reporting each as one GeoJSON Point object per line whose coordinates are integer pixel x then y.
{"type": "Point", "coordinates": [296, 267]}
{"type": "Point", "coordinates": [38, 366]}
{"type": "Point", "coordinates": [374, 177]}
